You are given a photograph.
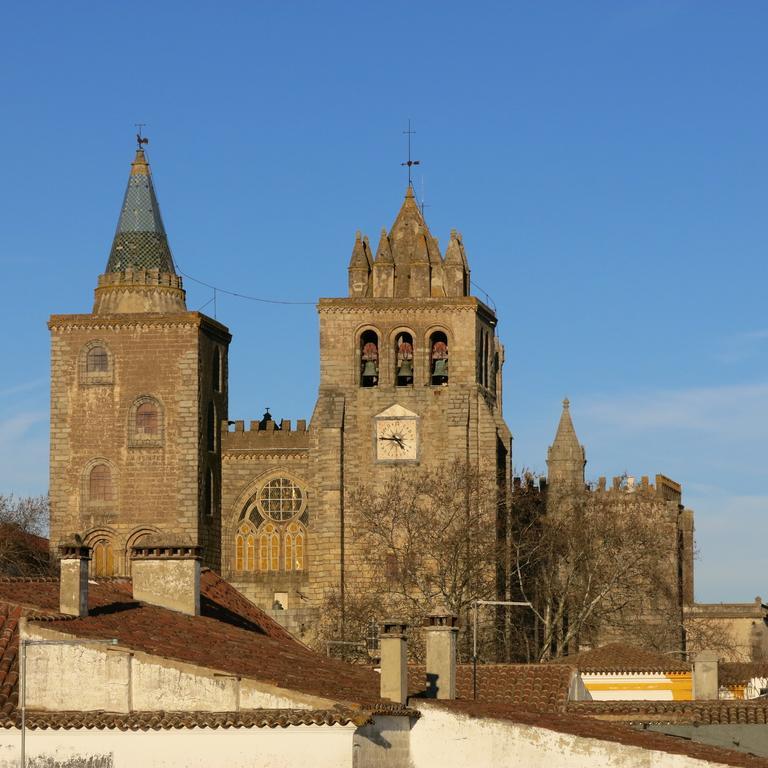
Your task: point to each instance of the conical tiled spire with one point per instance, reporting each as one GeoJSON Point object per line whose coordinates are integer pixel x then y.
{"type": "Point", "coordinates": [140, 276]}
{"type": "Point", "coordinates": [140, 241]}
{"type": "Point", "coordinates": [566, 457]}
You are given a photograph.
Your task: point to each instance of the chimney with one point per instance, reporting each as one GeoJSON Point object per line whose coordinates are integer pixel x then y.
{"type": "Point", "coordinates": [441, 628]}
{"type": "Point", "coordinates": [168, 575]}
{"type": "Point", "coordinates": [394, 661]}
{"type": "Point", "coordinates": [706, 685]}
{"type": "Point", "coordinates": [73, 579]}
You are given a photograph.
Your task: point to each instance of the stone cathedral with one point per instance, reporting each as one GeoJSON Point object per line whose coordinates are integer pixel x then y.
{"type": "Point", "coordinates": [142, 443]}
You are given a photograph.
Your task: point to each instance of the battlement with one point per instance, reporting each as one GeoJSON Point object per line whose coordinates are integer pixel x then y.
{"type": "Point", "coordinates": [664, 488]}
{"type": "Point", "coordinates": [261, 435]}
{"type": "Point", "coordinates": [139, 277]}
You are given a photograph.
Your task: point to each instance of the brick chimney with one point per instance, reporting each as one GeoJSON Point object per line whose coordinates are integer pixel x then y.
{"type": "Point", "coordinates": [167, 574]}
{"type": "Point", "coordinates": [73, 580]}
{"type": "Point", "coordinates": [441, 628]}
{"type": "Point", "coordinates": [706, 685]}
{"type": "Point", "coordinates": [394, 661]}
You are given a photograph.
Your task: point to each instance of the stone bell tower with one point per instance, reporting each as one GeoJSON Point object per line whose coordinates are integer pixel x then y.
{"type": "Point", "coordinates": [410, 377]}
{"type": "Point", "coordinates": [138, 389]}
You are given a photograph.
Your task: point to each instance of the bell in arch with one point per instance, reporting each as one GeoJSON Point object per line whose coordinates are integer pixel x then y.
{"type": "Point", "coordinates": [404, 349]}
{"type": "Point", "coordinates": [439, 360]}
{"type": "Point", "coordinates": [369, 370]}
{"type": "Point", "coordinates": [441, 368]}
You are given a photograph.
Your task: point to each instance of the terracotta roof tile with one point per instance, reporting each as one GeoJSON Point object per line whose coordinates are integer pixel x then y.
{"type": "Point", "coordinates": [155, 721]}
{"type": "Point", "coordinates": [740, 673]}
{"type": "Point", "coordinates": [248, 642]}
{"type": "Point", "coordinates": [724, 712]}
{"type": "Point", "coordinates": [591, 728]}
{"type": "Point", "coordinates": [537, 687]}
{"type": "Point", "coordinates": [619, 657]}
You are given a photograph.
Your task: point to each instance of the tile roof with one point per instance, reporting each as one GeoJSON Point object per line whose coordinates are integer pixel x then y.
{"type": "Point", "coordinates": [591, 728]}
{"type": "Point", "coordinates": [248, 642]}
{"type": "Point", "coordinates": [619, 657]}
{"type": "Point", "coordinates": [740, 673]}
{"type": "Point", "coordinates": [156, 721]}
{"type": "Point", "coordinates": [537, 687]}
{"type": "Point", "coordinates": [723, 712]}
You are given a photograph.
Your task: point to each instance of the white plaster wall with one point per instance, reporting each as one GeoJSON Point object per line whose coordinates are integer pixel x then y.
{"type": "Point", "coordinates": [99, 677]}
{"type": "Point", "coordinates": [313, 746]}
{"type": "Point", "coordinates": [83, 677]}
{"type": "Point", "coordinates": [384, 743]}
{"type": "Point", "coordinates": [156, 686]}
{"type": "Point", "coordinates": [449, 740]}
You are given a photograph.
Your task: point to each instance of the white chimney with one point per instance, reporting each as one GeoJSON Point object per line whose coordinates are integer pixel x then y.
{"type": "Point", "coordinates": [167, 575]}
{"type": "Point", "coordinates": [73, 579]}
{"type": "Point", "coordinates": [705, 676]}
{"type": "Point", "coordinates": [441, 628]}
{"type": "Point", "coordinates": [394, 661]}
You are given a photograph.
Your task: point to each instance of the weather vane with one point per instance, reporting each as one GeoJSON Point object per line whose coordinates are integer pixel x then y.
{"type": "Point", "coordinates": [139, 138]}
{"type": "Point", "coordinates": [410, 163]}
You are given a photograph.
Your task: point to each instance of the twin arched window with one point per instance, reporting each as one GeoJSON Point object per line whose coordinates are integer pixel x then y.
{"type": "Point", "coordinates": [404, 356]}
{"type": "Point", "coordinates": [261, 550]}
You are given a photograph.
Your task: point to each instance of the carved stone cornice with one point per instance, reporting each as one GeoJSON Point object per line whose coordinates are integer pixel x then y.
{"type": "Point", "coordinates": [68, 323]}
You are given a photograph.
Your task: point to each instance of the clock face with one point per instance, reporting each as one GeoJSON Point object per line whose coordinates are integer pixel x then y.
{"type": "Point", "coordinates": [396, 440]}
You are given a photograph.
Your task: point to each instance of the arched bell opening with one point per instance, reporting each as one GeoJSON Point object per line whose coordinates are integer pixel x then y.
{"type": "Point", "coordinates": [404, 360]}
{"type": "Point", "coordinates": [369, 359]}
{"type": "Point", "coordinates": [438, 355]}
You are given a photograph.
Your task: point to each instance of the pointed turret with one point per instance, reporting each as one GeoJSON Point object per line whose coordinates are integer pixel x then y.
{"type": "Point", "coordinates": [384, 269]}
{"type": "Point", "coordinates": [566, 457]}
{"type": "Point", "coordinates": [456, 272]}
{"type": "Point", "coordinates": [360, 264]}
{"type": "Point", "coordinates": [140, 276]}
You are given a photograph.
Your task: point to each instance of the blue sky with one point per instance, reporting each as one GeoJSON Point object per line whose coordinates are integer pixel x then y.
{"type": "Point", "coordinates": [606, 163]}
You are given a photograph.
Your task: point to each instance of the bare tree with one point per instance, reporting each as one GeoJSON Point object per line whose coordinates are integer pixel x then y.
{"type": "Point", "coordinates": [425, 538]}
{"type": "Point", "coordinates": [23, 523]}
{"type": "Point", "coordinates": [593, 566]}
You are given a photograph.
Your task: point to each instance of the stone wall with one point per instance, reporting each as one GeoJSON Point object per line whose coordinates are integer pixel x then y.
{"type": "Point", "coordinates": [157, 482]}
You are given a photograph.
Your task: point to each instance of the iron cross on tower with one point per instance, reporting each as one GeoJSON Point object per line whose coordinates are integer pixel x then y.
{"type": "Point", "coordinates": [410, 163]}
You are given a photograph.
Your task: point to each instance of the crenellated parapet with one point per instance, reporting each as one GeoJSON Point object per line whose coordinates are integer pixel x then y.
{"type": "Point", "coordinates": [133, 277]}
{"type": "Point", "coordinates": [264, 436]}
{"type": "Point", "coordinates": [664, 488]}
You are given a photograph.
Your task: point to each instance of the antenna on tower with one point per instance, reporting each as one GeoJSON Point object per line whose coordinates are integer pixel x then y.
{"type": "Point", "coordinates": [410, 163]}
{"type": "Point", "coordinates": [423, 203]}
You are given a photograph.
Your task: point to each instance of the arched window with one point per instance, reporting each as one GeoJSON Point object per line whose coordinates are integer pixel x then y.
{"type": "Point", "coordinates": [216, 370]}
{"type": "Point", "coordinates": [95, 364]}
{"type": "Point", "coordinates": [103, 559]}
{"type": "Point", "coordinates": [145, 424]}
{"type": "Point", "coordinates": [438, 358]}
{"type": "Point", "coordinates": [97, 360]}
{"type": "Point", "coordinates": [210, 432]}
{"type": "Point", "coordinates": [269, 548]}
{"type": "Point", "coordinates": [245, 548]}
{"type": "Point", "coordinates": [100, 484]}
{"type": "Point", "coordinates": [404, 360]}
{"type": "Point", "coordinates": [147, 420]}
{"type": "Point", "coordinates": [369, 359]}
{"type": "Point", "coordinates": [294, 547]}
